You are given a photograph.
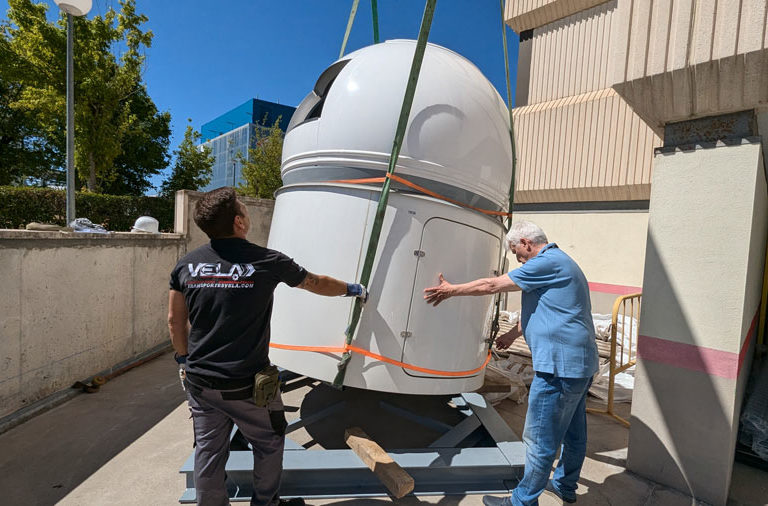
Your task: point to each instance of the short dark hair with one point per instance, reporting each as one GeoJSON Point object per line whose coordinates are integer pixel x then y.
{"type": "Point", "coordinates": [215, 212]}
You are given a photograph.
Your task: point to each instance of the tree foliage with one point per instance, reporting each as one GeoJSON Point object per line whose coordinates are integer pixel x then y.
{"type": "Point", "coordinates": [114, 115]}
{"type": "Point", "coordinates": [24, 151]}
{"type": "Point", "coordinates": [193, 167]}
{"type": "Point", "coordinates": [261, 170]}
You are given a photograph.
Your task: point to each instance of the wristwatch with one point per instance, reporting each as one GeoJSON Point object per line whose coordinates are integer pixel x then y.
{"type": "Point", "coordinates": [180, 359]}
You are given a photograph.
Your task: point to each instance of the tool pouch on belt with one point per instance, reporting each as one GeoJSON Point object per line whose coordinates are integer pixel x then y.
{"type": "Point", "coordinates": [266, 385]}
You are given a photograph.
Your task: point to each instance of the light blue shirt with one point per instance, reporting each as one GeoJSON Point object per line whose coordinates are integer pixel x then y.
{"type": "Point", "coordinates": [556, 314]}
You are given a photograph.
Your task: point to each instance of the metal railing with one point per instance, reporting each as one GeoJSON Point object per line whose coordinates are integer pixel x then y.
{"type": "Point", "coordinates": [625, 321]}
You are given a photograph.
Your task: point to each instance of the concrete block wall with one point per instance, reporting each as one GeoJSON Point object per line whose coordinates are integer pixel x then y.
{"type": "Point", "coordinates": [73, 305]}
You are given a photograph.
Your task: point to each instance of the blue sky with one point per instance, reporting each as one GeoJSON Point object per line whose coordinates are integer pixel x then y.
{"type": "Point", "coordinates": [210, 56]}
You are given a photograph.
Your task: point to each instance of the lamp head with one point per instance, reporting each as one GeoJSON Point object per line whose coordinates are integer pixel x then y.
{"type": "Point", "coordinates": [74, 7]}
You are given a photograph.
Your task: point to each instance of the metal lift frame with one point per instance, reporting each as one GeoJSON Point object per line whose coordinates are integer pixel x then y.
{"type": "Point", "coordinates": [443, 468]}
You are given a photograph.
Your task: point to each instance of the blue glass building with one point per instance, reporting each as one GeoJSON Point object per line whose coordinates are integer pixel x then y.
{"type": "Point", "coordinates": [234, 132]}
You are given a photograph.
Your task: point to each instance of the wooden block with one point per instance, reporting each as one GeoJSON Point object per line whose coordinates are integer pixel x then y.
{"type": "Point", "coordinates": [492, 388]}
{"type": "Point", "coordinates": [394, 477]}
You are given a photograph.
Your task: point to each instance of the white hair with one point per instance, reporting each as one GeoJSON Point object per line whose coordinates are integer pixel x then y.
{"type": "Point", "coordinates": [525, 230]}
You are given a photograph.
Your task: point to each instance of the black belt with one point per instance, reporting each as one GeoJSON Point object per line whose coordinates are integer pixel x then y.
{"type": "Point", "coordinates": [232, 389]}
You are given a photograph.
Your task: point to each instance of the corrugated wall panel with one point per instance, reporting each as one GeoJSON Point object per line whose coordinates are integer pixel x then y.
{"type": "Point", "coordinates": [666, 35]}
{"type": "Point", "coordinates": [524, 15]}
{"type": "Point", "coordinates": [587, 147]}
{"type": "Point", "coordinates": [675, 60]}
{"type": "Point", "coordinates": [570, 56]}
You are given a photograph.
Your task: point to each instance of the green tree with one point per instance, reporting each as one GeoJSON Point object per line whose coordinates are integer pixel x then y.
{"type": "Point", "coordinates": [193, 167]}
{"type": "Point", "coordinates": [25, 155]}
{"type": "Point", "coordinates": [261, 170]}
{"type": "Point", "coordinates": [144, 148]}
{"type": "Point", "coordinates": [112, 109]}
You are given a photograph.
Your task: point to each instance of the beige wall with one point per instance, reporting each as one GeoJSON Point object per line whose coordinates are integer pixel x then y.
{"type": "Point", "coordinates": [526, 14]}
{"type": "Point", "coordinates": [570, 56]}
{"type": "Point", "coordinates": [684, 260]}
{"type": "Point", "coordinates": [608, 246]}
{"type": "Point", "coordinates": [696, 331]}
{"type": "Point", "coordinates": [260, 212]}
{"type": "Point", "coordinates": [73, 305]}
{"type": "Point", "coordinates": [589, 147]}
{"type": "Point", "coordinates": [675, 60]}
{"type": "Point", "coordinates": [577, 139]}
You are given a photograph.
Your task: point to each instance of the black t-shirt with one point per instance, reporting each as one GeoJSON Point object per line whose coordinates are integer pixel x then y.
{"type": "Point", "coordinates": [228, 286]}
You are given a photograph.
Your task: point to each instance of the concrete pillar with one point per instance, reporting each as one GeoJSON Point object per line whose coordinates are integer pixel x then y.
{"type": "Point", "coordinates": [707, 228]}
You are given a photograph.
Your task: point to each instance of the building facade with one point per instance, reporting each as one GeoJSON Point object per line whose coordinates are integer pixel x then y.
{"type": "Point", "coordinates": [584, 156]}
{"type": "Point", "coordinates": [231, 135]}
{"type": "Point", "coordinates": [638, 125]}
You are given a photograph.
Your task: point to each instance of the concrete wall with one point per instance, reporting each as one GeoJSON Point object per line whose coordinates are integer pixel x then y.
{"type": "Point", "coordinates": [702, 288]}
{"type": "Point", "coordinates": [259, 210]}
{"type": "Point", "coordinates": [73, 305]}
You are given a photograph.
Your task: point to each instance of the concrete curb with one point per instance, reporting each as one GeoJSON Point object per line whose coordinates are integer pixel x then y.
{"type": "Point", "coordinates": [27, 413]}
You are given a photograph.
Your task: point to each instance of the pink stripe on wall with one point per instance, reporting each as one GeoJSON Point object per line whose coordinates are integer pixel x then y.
{"type": "Point", "coordinates": [696, 358]}
{"type": "Point", "coordinates": [750, 335]}
{"type": "Point", "coordinates": [614, 289]}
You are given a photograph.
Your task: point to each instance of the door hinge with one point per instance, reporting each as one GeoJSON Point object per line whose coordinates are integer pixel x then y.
{"type": "Point", "coordinates": [419, 253]}
{"type": "Point", "coordinates": [405, 333]}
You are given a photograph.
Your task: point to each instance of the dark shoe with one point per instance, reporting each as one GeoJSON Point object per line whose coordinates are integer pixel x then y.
{"type": "Point", "coordinates": [489, 500]}
{"type": "Point", "coordinates": [296, 501]}
{"type": "Point", "coordinates": [568, 497]}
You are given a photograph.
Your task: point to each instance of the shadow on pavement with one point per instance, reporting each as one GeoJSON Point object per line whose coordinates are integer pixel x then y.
{"type": "Point", "coordinates": [47, 457]}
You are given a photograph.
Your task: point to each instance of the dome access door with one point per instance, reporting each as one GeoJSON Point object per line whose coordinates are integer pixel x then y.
{"type": "Point", "coordinates": [462, 253]}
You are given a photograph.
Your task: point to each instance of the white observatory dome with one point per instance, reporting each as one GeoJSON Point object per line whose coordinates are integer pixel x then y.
{"type": "Point", "coordinates": [457, 136]}
{"type": "Point", "coordinates": [457, 145]}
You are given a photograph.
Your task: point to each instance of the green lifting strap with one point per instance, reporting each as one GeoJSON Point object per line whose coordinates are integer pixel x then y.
{"type": "Point", "coordinates": [402, 122]}
{"type": "Point", "coordinates": [349, 26]}
{"type": "Point", "coordinates": [495, 324]}
{"type": "Point", "coordinates": [375, 14]}
{"type": "Point", "coordinates": [511, 119]}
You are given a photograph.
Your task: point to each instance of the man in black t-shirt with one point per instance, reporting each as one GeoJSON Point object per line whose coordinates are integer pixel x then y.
{"type": "Point", "coordinates": [220, 306]}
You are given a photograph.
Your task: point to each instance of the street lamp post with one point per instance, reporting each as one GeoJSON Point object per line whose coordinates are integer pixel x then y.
{"type": "Point", "coordinates": [71, 8]}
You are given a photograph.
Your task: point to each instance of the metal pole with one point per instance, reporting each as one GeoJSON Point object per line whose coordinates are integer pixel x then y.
{"type": "Point", "coordinates": [70, 126]}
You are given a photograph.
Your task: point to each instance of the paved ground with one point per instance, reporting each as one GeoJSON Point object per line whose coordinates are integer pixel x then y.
{"type": "Point", "coordinates": [125, 444]}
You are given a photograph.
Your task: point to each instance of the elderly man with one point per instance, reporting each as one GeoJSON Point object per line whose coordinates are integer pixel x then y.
{"type": "Point", "coordinates": [557, 323]}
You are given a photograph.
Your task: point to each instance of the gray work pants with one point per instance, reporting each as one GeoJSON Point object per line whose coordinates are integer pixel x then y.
{"type": "Point", "coordinates": [264, 428]}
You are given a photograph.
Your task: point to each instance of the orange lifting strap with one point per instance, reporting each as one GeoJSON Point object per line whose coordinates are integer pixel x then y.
{"type": "Point", "coordinates": [416, 187]}
{"type": "Point", "coordinates": [381, 358]}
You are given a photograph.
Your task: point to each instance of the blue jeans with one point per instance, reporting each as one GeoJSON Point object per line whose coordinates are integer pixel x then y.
{"type": "Point", "coordinates": [556, 417]}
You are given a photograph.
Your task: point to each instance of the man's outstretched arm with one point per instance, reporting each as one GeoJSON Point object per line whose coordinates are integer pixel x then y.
{"type": "Point", "coordinates": [332, 287]}
{"type": "Point", "coordinates": [483, 286]}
